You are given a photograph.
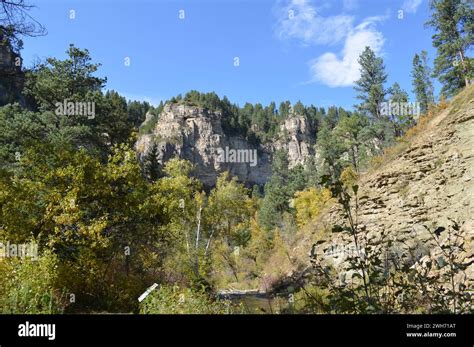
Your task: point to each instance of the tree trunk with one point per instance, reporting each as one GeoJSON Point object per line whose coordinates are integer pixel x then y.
{"type": "Point", "coordinates": [198, 234]}
{"type": "Point", "coordinates": [464, 67]}
{"type": "Point", "coordinates": [208, 243]}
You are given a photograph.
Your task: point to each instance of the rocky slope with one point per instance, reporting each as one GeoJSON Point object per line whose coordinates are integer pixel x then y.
{"type": "Point", "coordinates": [196, 134]}
{"type": "Point", "coordinates": [429, 182]}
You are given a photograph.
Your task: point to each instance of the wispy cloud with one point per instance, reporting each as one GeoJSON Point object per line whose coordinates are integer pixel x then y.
{"type": "Point", "coordinates": [298, 19]}
{"type": "Point", "coordinates": [411, 6]}
{"type": "Point", "coordinates": [301, 20]}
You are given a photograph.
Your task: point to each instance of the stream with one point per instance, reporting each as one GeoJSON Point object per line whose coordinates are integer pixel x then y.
{"type": "Point", "coordinates": [259, 303]}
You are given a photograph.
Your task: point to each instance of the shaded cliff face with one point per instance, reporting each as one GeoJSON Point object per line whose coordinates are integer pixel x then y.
{"type": "Point", "coordinates": [429, 183]}
{"type": "Point", "coordinates": [197, 135]}
{"type": "Point", "coordinates": [12, 79]}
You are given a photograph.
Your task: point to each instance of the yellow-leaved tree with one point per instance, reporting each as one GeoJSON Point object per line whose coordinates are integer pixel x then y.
{"type": "Point", "coordinates": [309, 203]}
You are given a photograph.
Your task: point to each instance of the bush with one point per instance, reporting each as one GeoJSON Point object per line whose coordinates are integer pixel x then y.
{"type": "Point", "coordinates": [309, 204]}
{"type": "Point", "coordinates": [349, 176]}
{"type": "Point", "coordinates": [28, 286]}
{"type": "Point", "coordinates": [310, 299]}
{"type": "Point", "coordinates": [176, 300]}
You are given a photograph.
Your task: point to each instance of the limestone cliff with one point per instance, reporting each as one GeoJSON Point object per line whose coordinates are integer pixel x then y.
{"type": "Point", "coordinates": [196, 134]}
{"type": "Point", "coordinates": [297, 137]}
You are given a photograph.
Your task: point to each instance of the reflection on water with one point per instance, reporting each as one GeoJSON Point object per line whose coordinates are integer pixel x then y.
{"type": "Point", "coordinates": [257, 304]}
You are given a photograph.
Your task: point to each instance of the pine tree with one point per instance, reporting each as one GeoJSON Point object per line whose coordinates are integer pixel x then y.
{"type": "Point", "coordinates": [299, 109]}
{"type": "Point", "coordinates": [296, 180]}
{"type": "Point", "coordinates": [397, 94]}
{"type": "Point", "coordinates": [284, 109]}
{"type": "Point", "coordinates": [422, 85]}
{"type": "Point", "coordinates": [331, 118]}
{"type": "Point", "coordinates": [151, 164]}
{"type": "Point", "coordinates": [370, 84]}
{"type": "Point", "coordinates": [453, 22]}
{"type": "Point", "coordinates": [398, 99]}
{"type": "Point", "coordinates": [349, 133]}
{"type": "Point", "coordinates": [330, 150]}
{"type": "Point", "coordinates": [312, 172]}
{"type": "Point", "coordinates": [277, 193]}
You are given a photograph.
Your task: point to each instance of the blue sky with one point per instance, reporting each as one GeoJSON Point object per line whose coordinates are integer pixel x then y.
{"type": "Point", "coordinates": [287, 50]}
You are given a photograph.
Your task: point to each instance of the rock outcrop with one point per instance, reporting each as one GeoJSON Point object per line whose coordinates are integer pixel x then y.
{"type": "Point", "coordinates": [429, 184]}
{"type": "Point", "coordinates": [297, 138]}
{"type": "Point", "coordinates": [196, 134]}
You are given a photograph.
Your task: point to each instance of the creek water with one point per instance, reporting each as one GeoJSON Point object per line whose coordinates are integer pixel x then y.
{"type": "Point", "coordinates": [261, 304]}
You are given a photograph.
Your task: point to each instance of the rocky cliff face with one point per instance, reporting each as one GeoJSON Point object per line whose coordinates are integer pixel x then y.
{"type": "Point", "coordinates": [297, 138]}
{"type": "Point", "coordinates": [197, 135]}
{"type": "Point", "coordinates": [430, 183]}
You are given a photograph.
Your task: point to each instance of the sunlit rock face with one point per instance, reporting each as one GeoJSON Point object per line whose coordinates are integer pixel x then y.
{"type": "Point", "coordinates": [197, 135]}
{"type": "Point", "coordinates": [297, 137]}
{"type": "Point", "coordinates": [424, 191]}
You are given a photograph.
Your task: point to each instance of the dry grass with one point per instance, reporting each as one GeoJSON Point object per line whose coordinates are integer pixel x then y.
{"type": "Point", "coordinates": [404, 142]}
{"type": "Point", "coordinates": [424, 123]}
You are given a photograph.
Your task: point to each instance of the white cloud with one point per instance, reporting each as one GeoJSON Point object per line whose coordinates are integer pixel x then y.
{"type": "Point", "coordinates": [334, 70]}
{"type": "Point", "coordinates": [343, 71]}
{"type": "Point", "coordinates": [300, 20]}
{"type": "Point", "coordinates": [411, 6]}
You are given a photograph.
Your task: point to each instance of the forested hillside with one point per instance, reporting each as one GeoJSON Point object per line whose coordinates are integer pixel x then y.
{"type": "Point", "coordinates": [101, 197]}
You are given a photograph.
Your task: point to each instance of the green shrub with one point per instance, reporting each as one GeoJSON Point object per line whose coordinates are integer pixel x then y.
{"type": "Point", "coordinates": [310, 299]}
{"type": "Point", "coordinates": [28, 286]}
{"type": "Point", "coordinates": [176, 300]}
